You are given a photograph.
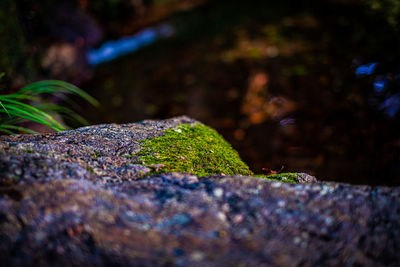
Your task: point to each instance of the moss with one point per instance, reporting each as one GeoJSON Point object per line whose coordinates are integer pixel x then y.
{"type": "Point", "coordinates": [95, 155]}
{"type": "Point", "coordinates": [196, 149]}
{"type": "Point", "coordinates": [288, 177]}
{"type": "Point", "coordinates": [89, 169]}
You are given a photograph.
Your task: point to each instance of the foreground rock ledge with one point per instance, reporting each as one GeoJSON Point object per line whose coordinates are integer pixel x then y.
{"type": "Point", "coordinates": [60, 212]}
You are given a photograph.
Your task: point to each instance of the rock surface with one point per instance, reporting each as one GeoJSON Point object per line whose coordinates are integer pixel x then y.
{"type": "Point", "coordinates": [71, 199]}
{"type": "Point", "coordinates": [96, 153]}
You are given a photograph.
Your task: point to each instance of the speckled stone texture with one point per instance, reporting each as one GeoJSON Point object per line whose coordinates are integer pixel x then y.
{"type": "Point", "coordinates": [98, 153]}
{"type": "Point", "coordinates": [68, 209]}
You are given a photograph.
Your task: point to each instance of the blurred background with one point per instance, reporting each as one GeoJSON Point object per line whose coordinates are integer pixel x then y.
{"type": "Point", "coordinates": [312, 85]}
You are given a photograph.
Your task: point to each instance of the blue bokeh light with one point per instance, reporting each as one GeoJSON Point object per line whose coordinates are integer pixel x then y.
{"type": "Point", "coordinates": [391, 105]}
{"type": "Point", "coordinates": [380, 84]}
{"type": "Point", "coordinates": [366, 69]}
{"type": "Point", "coordinates": [113, 49]}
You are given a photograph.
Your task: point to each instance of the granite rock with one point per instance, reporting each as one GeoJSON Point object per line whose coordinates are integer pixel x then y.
{"type": "Point", "coordinates": [60, 206]}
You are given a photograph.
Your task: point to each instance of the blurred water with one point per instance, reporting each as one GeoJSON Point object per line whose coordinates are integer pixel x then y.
{"type": "Point", "coordinates": [113, 49]}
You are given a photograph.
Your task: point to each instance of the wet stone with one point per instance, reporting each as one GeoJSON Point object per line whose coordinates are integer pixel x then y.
{"type": "Point", "coordinates": [80, 198]}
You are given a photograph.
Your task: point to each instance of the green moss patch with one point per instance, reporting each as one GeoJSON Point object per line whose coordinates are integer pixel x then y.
{"type": "Point", "coordinates": [288, 177]}
{"type": "Point", "coordinates": [196, 149]}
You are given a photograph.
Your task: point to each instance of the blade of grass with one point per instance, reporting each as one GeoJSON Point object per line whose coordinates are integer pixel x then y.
{"type": "Point", "coordinates": [64, 111]}
{"type": "Point", "coordinates": [50, 86]}
{"type": "Point", "coordinates": [18, 111]}
{"type": "Point", "coordinates": [19, 96]}
{"type": "Point", "coordinates": [4, 108]}
{"type": "Point", "coordinates": [35, 111]}
{"type": "Point", "coordinates": [6, 131]}
{"type": "Point", "coordinates": [26, 115]}
{"type": "Point", "coordinates": [18, 128]}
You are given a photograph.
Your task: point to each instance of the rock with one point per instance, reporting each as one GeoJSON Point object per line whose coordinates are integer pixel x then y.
{"type": "Point", "coordinates": [60, 206]}
{"type": "Point", "coordinates": [101, 154]}
{"type": "Point", "coordinates": [305, 178]}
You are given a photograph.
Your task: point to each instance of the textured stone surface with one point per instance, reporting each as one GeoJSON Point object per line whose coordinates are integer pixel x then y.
{"type": "Point", "coordinates": [64, 214]}
{"type": "Point", "coordinates": [98, 153]}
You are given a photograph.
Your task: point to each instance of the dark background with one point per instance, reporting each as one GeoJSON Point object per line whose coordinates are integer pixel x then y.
{"type": "Point", "coordinates": [275, 78]}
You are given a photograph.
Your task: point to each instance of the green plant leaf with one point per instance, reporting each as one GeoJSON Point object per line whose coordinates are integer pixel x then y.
{"type": "Point", "coordinates": [25, 115]}
{"type": "Point", "coordinates": [67, 112]}
{"type": "Point", "coordinates": [37, 113]}
{"type": "Point", "coordinates": [52, 86]}
{"type": "Point", "coordinates": [18, 111]}
{"type": "Point", "coordinates": [3, 130]}
{"type": "Point", "coordinates": [18, 128]}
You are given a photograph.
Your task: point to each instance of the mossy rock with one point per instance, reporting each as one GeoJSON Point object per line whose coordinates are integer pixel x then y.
{"type": "Point", "coordinates": [196, 149]}
{"type": "Point", "coordinates": [289, 177]}
{"type": "Point", "coordinates": [200, 150]}
{"type": "Point", "coordinates": [110, 153]}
